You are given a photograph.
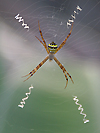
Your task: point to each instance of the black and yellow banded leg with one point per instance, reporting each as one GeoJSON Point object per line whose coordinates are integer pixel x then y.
{"type": "Point", "coordinates": [64, 71]}
{"type": "Point", "coordinates": [66, 79]}
{"type": "Point", "coordinates": [63, 43]}
{"type": "Point", "coordinates": [35, 69]}
{"type": "Point", "coordinates": [40, 41]}
{"type": "Point", "coordinates": [44, 43]}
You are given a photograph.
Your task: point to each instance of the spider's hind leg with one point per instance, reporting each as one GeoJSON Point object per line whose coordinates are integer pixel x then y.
{"type": "Point", "coordinates": [35, 69]}
{"type": "Point", "coordinates": [31, 74]}
{"type": "Point", "coordinates": [66, 79]}
{"type": "Point", "coordinates": [69, 76]}
{"type": "Point", "coordinates": [64, 71]}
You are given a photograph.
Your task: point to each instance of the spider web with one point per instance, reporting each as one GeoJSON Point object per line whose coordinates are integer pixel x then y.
{"type": "Point", "coordinates": [50, 107]}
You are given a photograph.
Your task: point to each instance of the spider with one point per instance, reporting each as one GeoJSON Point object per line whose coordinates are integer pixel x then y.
{"type": "Point", "coordinates": [52, 49]}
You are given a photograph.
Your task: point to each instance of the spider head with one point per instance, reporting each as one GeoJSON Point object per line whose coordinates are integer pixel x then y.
{"type": "Point", "coordinates": [52, 47]}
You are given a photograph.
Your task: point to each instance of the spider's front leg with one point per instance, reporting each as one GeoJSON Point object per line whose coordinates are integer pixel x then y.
{"type": "Point", "coordinates": [43, 43]}
{"type": "Point", "coordinates": [64, 71]}
{"type": "Point", "coordinates": [35, 69]}
{"type": "Point", "coordinates": [63, 43]}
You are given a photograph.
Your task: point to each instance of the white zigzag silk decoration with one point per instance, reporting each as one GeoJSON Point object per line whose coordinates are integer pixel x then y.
{"type": "Point", "coordinates": [80, 108]}
{"type": "Point", "coordinates": [73, 16]}
{"type": "Point", "coordinates": [27, 96]}
{"type": "Point", "coordinates": [20, 19]}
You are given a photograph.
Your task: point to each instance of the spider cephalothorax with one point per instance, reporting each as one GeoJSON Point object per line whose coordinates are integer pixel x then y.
{"type": "Point", "coordinates": [52, 49]}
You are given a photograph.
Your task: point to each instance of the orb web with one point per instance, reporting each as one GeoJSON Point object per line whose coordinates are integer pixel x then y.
{"type": "Point", "coordinates": [50, 108]}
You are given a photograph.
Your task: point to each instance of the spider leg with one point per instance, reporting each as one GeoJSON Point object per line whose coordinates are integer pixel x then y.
{"type": "Point", "coordinates": [64, 71]}
{"type": "Point", "coordinates": [35, 69]}
{"type": "Point", "coordinates": [63, 43]}
{"type": "Point", "coordinates": [40, 41]}
{"type": "Point", "coordinates": [44, 43]}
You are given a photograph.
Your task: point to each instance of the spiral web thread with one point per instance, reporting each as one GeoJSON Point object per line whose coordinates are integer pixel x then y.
{"type": "Point", "coordinates": [80, 108]}
{"type": "Point", "coordinates": [27, 96]}
{"type": "Point", "coordinates": [20, 19]}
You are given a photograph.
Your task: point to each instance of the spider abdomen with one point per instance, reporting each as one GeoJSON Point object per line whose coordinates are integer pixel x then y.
{"type": "Point", "coordinates": [52, 47]}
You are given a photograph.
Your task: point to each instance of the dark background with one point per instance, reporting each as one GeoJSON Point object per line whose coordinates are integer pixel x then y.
{"type": "Point", "coordinates": [50, 108]}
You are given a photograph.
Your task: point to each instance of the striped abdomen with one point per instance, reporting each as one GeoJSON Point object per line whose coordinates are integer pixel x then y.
{"type": "Point", "coordinates": [52, 47]}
